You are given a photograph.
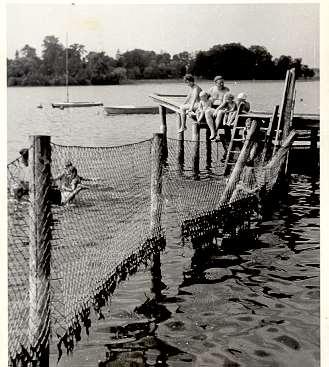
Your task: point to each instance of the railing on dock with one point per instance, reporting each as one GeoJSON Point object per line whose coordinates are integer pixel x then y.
{"type": "Point", "coordinates": [64, 260]}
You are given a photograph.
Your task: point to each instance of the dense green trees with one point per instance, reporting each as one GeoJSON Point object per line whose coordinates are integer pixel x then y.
{"type": "Point", "coordinates": [233, 61]}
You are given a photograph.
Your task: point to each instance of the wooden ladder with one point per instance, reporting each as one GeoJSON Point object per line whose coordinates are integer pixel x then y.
{"type": "Point", "coordinates": [272, 130]}
{"type": "Point", "coordinates": [268, 125]}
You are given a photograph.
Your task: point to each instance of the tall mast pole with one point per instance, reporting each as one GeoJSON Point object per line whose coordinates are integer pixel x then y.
{"type": "Point", "coordinates": [67, 69]}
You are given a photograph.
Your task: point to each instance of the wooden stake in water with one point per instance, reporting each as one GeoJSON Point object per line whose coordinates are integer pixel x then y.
{"type": "Point", "coordinates": [39, 248]}
{"type": "Point", "coordinates": [196, 149]}
{"type": "Point", "coordinates": [157, 159]}
{"type": "Point", "coordinates": [240, 163]}
{"type": "Point", "coordinates": [163, 129]}
{"type": "Point", "coordinates": [180, 143]}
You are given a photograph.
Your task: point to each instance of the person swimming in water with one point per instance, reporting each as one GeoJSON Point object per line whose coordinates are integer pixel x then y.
{"type": "Point", "coordinates": [70, 183]}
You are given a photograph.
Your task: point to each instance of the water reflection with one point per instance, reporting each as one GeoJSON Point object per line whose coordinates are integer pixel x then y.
{"type": "Point", "coordinates": [251, 302]}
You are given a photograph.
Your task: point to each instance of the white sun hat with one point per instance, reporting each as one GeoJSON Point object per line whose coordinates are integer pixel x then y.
{"type": "Point", "coordinates": [242, 96]}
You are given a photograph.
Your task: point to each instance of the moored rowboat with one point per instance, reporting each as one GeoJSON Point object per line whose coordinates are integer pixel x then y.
{"type": "Point", "coordinates": [130, 109]}
{"type": "Point", "coordinates": [76, 104]}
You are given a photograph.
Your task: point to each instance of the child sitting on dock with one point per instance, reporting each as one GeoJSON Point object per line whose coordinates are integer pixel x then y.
{"type": "Point", "coordinates": [205, 106]}
{"type": "Point", "coordinates": [241, 99]}
{"type": "Point", "coordinates": [225, 110]}
{"type": "Point", "coordinates": [246, 129]}
{"type": "Point", "coordinates": [191, 101]}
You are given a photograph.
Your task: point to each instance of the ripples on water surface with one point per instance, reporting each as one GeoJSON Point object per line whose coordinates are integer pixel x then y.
{"type": "Point", "coordinates": [89, 126]}
{"type": "Point", "coordinates": [248, 304]}
{"type": "Point", "coordinates": [253, 303]}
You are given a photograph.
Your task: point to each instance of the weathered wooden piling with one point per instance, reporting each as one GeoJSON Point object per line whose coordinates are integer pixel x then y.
{"type": "Point", "coordinates": [157, 161]}
{"type": "Point", "coordinates": [269, 133]}
{"type": "Point", "coordinates": [39, 249]}
{"type": "Point", "coordinates": [240, 163]}
{"type": "Point", "coordinates": [196, 149]}
{"type": "Point", "coordinates": [163, 129]}
{"type": "Point", "coordinates": [180, 143]}
{"type": "Point", "coordinates": [208, 149]}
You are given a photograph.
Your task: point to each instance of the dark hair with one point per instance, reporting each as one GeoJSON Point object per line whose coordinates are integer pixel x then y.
{"type": "Point", "coordinates": [74, 171]}
{"type": "Point", "coordinates": [24, 153]}
{"type": "Point", "coordinates": [189, 78]}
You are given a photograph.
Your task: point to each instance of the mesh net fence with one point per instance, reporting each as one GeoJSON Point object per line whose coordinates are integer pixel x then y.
{"type": "Point", "coordinates": [103, 232]}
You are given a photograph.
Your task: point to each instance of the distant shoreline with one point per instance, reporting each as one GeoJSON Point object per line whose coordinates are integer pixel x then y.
{"type": "Point", "coordinates": [160, 81]}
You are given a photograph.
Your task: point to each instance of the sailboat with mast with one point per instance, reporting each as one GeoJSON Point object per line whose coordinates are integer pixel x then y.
{"type": "Point", "coordinates": [67, 103]}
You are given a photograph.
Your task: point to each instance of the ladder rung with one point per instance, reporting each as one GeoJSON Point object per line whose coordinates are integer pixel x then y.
{"type": "Point", "coordinates": [238, 139]}
{"type": "Point", "coordinates": [235, 151]}
{"type": "Point", "coordinates": [230, 163]}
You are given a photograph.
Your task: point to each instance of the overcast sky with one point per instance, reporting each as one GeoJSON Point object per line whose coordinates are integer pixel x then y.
{"type": "Point", "coordinates": [290, 29]}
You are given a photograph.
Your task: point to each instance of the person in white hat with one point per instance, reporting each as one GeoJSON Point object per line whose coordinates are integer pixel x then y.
{"type": "Point", "coordinates": [242, 99]}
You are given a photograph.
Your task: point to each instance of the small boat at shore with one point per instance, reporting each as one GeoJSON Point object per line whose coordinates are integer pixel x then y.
{"type": "Point", "coordinates": [130, 110]}
{"type": "Point", "coordinates": [75, 104]}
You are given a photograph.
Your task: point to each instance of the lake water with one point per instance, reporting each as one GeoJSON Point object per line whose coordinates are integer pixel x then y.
{"type": "Point", "coordinates": [254, 303]}
{"type": "Point", "coordinates": [90, 127]}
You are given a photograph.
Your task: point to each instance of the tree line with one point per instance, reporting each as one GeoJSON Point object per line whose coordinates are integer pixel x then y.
{"type": "Point", "coordinates": [232, 61]}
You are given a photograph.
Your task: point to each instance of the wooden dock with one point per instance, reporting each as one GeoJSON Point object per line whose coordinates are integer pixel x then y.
{"type": "Point", "coordinates": [306, 125]}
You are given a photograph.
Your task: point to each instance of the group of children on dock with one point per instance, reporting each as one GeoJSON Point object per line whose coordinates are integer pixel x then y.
{"type": "Point", "coordinates": [217, 107]}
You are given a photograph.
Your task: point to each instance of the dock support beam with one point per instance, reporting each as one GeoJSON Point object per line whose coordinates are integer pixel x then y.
{"type": "Point", "coordinates": [314, 148]}
{"type": "Point", "coordinates": [208, 149]}
{"type": "Point", "coordinates": [240, 163]}
{"type": "Point", "coordinates": [163, 129]}
{"type": "Point", "coordinates": [39, 249]}
{"type": "Point", "coordinates": [157, 161]}
{"type": "Point", "coordinates": [196, 150]}
{"type": "Point", "coordinates": [180, 144]}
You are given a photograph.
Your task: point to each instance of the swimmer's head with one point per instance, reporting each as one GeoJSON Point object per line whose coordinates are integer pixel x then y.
{"type": "Point", "coordinates": [242, 97]}
{"type": "Point", "coordinates": [228, 97]}
{"type": "Point", "coordinates": [248, 123]}
{"type": "Point", "coordinates": [204, 96]}
{"type": "Point", "coordinates": [189, 79]}
{"type": "Point", "coordinates": [73, 171]}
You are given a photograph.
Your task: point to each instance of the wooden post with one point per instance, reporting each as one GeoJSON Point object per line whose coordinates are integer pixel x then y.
{"type": "Point", "coordinates": [208, 149]}
{"type": "Point", "coordinates": [289, 109]}
{"type": "Point", "coordinates": [196, 149]}
{"type": "Point", "coordinates": [281, 152]}
{"type": "Point", "coordinates": [269, 133]}
{"type": "Point", "coordinates": [180, 144]}
{"type": "Point", "coordinates": [157, 159]}
{"type": "Point", "coordinates": [163, 129]}
{"type": "Point", "coordinates": [314, 148]}
{"type": "Point", "coordinates": [278, 134]}
{"type": "Point", "coordinates": [39, 248]}
{"type": "Point", "coordinates": [240, 163]}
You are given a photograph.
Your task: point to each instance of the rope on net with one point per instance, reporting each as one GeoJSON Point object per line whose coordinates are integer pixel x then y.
{"type": "Point", "coordinates": [199, 198]}
{"type": "Point", "coordinates": [102, 237]}
{"type": "Point", "coordinates": [97, 241]}
{"type": "Point", "coordinates": [18, 259]}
